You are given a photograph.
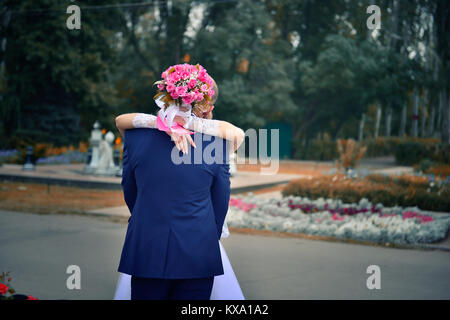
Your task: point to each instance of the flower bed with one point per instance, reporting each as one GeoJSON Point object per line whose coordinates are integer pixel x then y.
{"type": "Point", "coordinates": [7, 292]}
{"type": "Point", "coordinates": [332, 218]}
{"type": "Point", "coordinates": [64, 158]}
{"type": "Point", "coordinates": [7, 156]}
{"type": "Point", "coordinates": [427, 192]}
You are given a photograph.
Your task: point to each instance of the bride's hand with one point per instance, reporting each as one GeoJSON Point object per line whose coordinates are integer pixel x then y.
{"type": "Point", "coordinates": [181, 141]}
{"type": "Point", "coordinates": [181, 121]}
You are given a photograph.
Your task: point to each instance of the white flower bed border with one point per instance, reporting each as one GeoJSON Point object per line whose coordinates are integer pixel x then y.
{"type": "Point", "coordinates": [368, 226]}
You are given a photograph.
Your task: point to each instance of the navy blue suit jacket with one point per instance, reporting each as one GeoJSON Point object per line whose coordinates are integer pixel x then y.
{"type": "Point", "coordinates": [177, 209]}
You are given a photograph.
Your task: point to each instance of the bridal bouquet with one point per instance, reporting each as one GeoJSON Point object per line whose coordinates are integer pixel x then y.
{"type": "Point", "coordinates": [185, 84]}
{"type": "Point", "coordinates": [182, 88]}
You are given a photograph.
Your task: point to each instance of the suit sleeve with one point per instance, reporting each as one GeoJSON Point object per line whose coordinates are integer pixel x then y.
{"type": "Point", "coordinates": [220, 195]}
{"type": "Point", "coordinates": [128, 179]}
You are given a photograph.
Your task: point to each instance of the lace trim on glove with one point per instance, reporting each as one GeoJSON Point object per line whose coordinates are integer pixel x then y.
{"type": "Point", "coordinates": [143, 120]}
{"type": "Point", "coordinates": [205, 126]}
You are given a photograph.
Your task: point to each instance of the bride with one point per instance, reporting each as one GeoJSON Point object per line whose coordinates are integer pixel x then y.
{"type": "Point", "coordinates": [195, 113]}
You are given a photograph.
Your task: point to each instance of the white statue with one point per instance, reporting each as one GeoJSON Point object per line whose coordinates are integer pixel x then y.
{"type": "Point", "coordinates": [106, 160]}
{"type": "Point", "coordinates": [102, 158]}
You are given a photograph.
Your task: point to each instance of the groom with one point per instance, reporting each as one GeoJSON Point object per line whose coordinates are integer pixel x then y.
{"type": "Point", "coordinates": [171, 248]}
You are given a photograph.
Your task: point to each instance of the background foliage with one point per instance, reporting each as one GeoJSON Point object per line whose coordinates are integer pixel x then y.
{"type": "Point", "coordinates": [313, 65]}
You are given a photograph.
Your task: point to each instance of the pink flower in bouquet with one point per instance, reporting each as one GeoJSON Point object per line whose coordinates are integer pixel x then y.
{"type": "Point", "coordinates": [31, 298]}
{"type": "Point", "coordinates": [209, 81]}
{"type": "Point", "coordinates": [186, 83]}
{"type": "Point", "coordinates": [170, 87]}
{"type": "Point", "coordinates": [192, 83]}
{"type": "Point", "coordinates": [175, 76]}
{"type": "Point", "coordinates": [3, 288]}
{"type": "Point", "coordinates": [192, 69]}
{"type": "Point", "coordinates": [185, 75]}
{"type": "Point", "coordinates": [202, 77]}
{"type": "Point", "coordinates": [189, 98]}
{"type": "Point", "coordinates": [199, 96]}
{"type": "Point", "coordinates": [181, 91]}
{"type": "Point", "coordinates": [179, 68]}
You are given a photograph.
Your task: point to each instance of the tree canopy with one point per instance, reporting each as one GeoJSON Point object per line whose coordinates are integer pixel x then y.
{"type": "Point", "coordinates": [312, 64]}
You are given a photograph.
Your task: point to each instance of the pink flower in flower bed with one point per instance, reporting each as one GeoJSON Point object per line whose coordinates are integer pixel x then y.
{"type": "Point", "coordinates": [237, 202]}
{"type": "Point", "coordinates": [3, 288]}
{"type": "Point", "coordinates": [337, 217]}
{"type": "Point", "coordinates": [422, 218]}
{"type": "Point", "coordinates": [384, 215]}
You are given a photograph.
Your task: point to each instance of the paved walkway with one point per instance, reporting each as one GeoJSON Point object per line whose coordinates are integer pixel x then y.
{"type": "Point", "coordinates": [72, 174]}
{"type": "Point", "coordinates": [38, 249]}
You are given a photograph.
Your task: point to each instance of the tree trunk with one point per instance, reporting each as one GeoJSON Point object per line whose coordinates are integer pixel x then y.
{"type": "Point", "coordinates": [440, 111]}
{"type": "Point", "coordinates": [388, 122]}
{"type": "Point", "coordinates": [430, 131]}
{"type": "Point", "coordinates": [361, 127]}
{"type": "Point", "coordinates": [403, 122]}
{"type": "Point", "coordinates": [415, 117]}
{"type": "Point", "coordinates": [423, 121]}
{"type": "Point", "coordinates": [377, 121]}
{"type": "Point", "coordinates": [338, 128]}
{"type": "Point", "coordinates": [442, 23]}
{"type": "Point", "coordinates": [6, 20]}
{"type": "Point", "coordinates": [446, 115]}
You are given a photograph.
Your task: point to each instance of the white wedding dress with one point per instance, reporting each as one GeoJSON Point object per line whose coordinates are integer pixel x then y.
{"type": "Point", "coordinates": [225, 286]}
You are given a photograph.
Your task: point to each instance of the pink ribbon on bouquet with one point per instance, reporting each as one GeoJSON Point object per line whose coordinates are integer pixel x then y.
{"type": "Point", "coordinates": [163, 126]}
{"type": "Point", "coordinates": [165, 119]}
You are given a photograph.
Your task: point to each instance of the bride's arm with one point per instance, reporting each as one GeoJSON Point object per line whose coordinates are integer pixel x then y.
{"type": "Point", "coordinates": [218, 128]}
{"type": "Point", "coordinates": [135, 120]}
{"type": "Point", "coordinates": [143, 120]}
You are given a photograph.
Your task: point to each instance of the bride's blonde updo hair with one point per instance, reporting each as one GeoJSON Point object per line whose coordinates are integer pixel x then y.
{"type": "Point", "coordinates": [203, 109]}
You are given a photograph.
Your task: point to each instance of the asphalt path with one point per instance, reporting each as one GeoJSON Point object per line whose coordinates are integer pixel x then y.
{"type": "Point", "coordinates": [38, 249]}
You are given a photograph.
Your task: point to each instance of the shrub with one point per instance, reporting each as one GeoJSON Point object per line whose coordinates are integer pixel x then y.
{"type": "Point", "coordinates": [413, 151]}
{"type": "Point", "coordinates": [350, 153]}
{"type": "Point", "coordinates": [378, 147]}
{"type": "Point", "coordinates": [442, 170]}
{"type": "Point", "coordinates": [389, 190]}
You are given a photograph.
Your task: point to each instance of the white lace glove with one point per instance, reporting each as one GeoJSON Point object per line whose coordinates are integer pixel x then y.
{"type": "Point", "coordinates": [205, 126]}
{"type": "Point", "coordinates": [143, 120]}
